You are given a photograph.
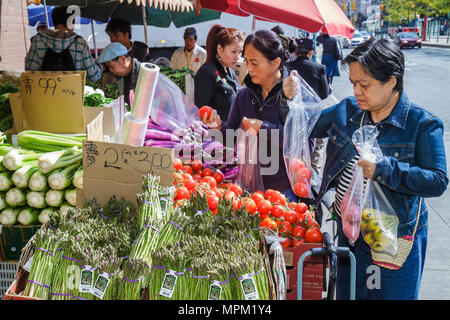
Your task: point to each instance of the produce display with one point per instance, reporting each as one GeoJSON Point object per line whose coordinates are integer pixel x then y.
{"type": "Point", "coordinates": [6, 117]}
{"type": "Point", "coordinates": [178, 76]}
{"type": "Point", "coordinates": [39, 176]}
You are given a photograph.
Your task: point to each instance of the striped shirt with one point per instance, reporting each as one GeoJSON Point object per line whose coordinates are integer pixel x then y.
{"type": "Point", "coordinates": [344, 183]}
{"type": "Point", "coordinates": [59, 41]}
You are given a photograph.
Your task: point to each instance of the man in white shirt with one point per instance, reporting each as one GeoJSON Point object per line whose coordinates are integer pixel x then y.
{"type": "Point", "coordinates": [191, 55]}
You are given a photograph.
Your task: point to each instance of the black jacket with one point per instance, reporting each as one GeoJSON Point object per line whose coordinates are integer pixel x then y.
{"type": "Point", "coordinates": [313, 73]}
{"type": "Point", "coordinates": [330, 45]}
{"type": "Point", "coordinates": [216, 88]}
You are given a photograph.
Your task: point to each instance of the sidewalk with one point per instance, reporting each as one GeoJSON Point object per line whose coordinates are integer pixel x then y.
{"type": "Point", "coordinates": [440, 42]}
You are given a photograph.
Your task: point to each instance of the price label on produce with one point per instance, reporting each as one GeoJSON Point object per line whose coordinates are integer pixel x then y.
{"type": "Point", "coordinates": [117, 169]}
{"type": "Point", "coordinates": [53, 101]}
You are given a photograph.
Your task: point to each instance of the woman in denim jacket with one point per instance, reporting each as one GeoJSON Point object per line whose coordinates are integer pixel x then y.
{"type": "Point", "coordinates": [413, 164]}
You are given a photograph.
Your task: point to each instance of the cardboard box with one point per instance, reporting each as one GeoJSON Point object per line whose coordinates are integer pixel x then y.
{"type": "Point", "coordinates": [13, 239]}
{"type": "Point", "coordinates": [116, 169]}
{"type": "Point", "coordinates": [312, 278]}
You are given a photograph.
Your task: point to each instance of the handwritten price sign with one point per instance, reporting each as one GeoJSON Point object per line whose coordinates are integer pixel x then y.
{"type": "Point", "coordinates": [117, 169]}
{"type": "Point", "coordinates": [47, 99]}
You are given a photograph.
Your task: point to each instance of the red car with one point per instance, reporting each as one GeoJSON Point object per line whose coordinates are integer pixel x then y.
{"type": "Point", "coordinates": [408, 40]}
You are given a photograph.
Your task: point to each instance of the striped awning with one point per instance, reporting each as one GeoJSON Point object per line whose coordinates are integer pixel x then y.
{"type": "Point", "coordinates": [172, 5]}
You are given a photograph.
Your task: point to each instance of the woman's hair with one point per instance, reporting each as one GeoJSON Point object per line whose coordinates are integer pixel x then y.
{"type": "Point", "coordinates": [223, 36]}
{"type": "Point", "coordinates": [60, 16]}
{"type": "Point", "coordinates": [269, 44]}
{"type": "Point", "coordinates": [380, 59]}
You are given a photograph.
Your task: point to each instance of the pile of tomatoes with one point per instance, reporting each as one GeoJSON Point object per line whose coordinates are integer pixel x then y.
{"type": "Point", "coordinates": [293, 221]}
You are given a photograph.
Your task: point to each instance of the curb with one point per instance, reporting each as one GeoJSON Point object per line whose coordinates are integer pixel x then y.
{"type": "Point", "coordinates": [436, 45]}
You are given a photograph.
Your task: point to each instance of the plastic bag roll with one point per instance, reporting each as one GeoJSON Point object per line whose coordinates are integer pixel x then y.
{"type": "Point", "coordinates": [132, 131]}
{"type": "Point", "coordinates": [144, 91]}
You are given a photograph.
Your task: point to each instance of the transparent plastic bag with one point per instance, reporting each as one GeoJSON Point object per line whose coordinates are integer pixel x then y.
{"type": "Point", "coordinates": [351, 206]}
{"type": "Point", "coordinates": [304, 111]}
{"type": "Point", "coordinates": [249, 170]}
{"type": "Point", "coordinates": [171, 109]}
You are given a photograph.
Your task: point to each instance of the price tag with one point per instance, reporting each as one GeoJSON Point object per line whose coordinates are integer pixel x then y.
{"type": "Point", "coordinates": [249, 288]}
{"type": "Point", "coordinates": [101, 285]}
{"type": "Point", "coordinates": [27, 265]}
{"type": "Point", "coordinates": [168, 285]}
{"type": "Point", "coordinates": [215, 291]}
{"type": "Point", "coordinates": [86, 279]}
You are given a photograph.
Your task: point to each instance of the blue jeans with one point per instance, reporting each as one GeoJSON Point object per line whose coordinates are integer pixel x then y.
{"type": "Point", "coordinates": [378, 283]}
{"type": "Point", "coordinates": [290, 195]}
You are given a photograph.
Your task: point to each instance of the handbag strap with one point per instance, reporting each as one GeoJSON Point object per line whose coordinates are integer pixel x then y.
{"type": "Point", "coordinates": [418, 216]}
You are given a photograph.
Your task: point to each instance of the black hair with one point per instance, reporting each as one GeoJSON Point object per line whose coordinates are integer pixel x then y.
{"type": "Point", "coordinates": [269, 44]}
{"type": "Point", "coordinates": [277, 30]}
{"type": "Point", "coordinates": [60, 16]}
{"type": "Point", "coordinates": [119, 25]}
{"type": "Point", "coordinates": [380, 59]}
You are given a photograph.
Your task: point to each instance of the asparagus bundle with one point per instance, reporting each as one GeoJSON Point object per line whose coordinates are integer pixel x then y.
{"type": "Point", "coordinates": [134, 274]}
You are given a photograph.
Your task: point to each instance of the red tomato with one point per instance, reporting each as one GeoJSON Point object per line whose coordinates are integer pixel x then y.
{"type": "Point", "coordinates": [301, 190]}
{"type": "Point", "coordinates": [203, 110]}
{"type": "Point", "coordinates": [207, 172]}
{"type": "Point", "coordinates": [236, 189]}
{"type": "Point", "coordinates": [219, 192]}
{"type": "Point", "coordinates": [264, 206]}
{"type": "Point", "coordinates": [303, 174]}
{"type": "Point", "coordinates": [268, 194]}
{"type": "Point", "coordinates": [187, 176]}
{"type": "Point", "coordinates": [187, 169]}
{"type": "Point", "coordinates": [286, 243]}
{"type": "Point", "coordinates": [182, 193]}
{"type": "Point", "coordinates": [290, 216]}
{"type": "Point", "coordinates": [249, 205]}
{"type": "Point", "coordinates": [277, 211]}
{"type": "Point", "coordinates": [291, 205]}
{"type": "Point", "coordinates": [177, 164]}
{"type": "Point", "coordinates": [213, 201]}
{"type": "Point", "coordinates": [296, 164]}
{"type": "Point", "coordinates": [197, 165]}
{"type": "Point", "coordinates": [177, 178]}
{"type": "Point", "coordinates": [197, 177]}
{"type": "Point", "coordinates": [285, 227]}
{"type": "Point", "coordinates": [257, 197]}
{"type": "Point", "coordinates": [263, 216]}
{"type": "Point", "coordinates": [190, 184]}
{"type": "Point", "coordinates": [301, 208]}
{"type": "Point", "coordinates": [313, 235]}
{"type": "Point", "coordinates": [210, 180]}
{"type": "Point", "coordinates": [218, 176]}
{"type": "Point", "coordinates": [268, 223]}
{"type": "Point", "coordinates": [298, 232]}
{"type": "Point", "coordinates": [297, 242]}
{"type": "Point", "coordinates": [230, 196]}
{"type": "Point", "coordinates": [237, 205]}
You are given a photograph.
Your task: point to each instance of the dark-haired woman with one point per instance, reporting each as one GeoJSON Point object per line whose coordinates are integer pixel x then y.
{"type": "Point", "coordinates": [216, 84]}
{"type": "Point", "coordinates": [331, 54]}
{"type": "Point", "coordinates": [262, 104]}
{"type": "Point", "coordinates": [413, 166]}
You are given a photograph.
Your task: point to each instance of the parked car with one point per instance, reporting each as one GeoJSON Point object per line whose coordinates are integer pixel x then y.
{"type": "Point", "coordinates": [357, 39]}
{"type": "Point", "coordinates": [407, 40]}
{"type": "Point", "coordinates": [365, 35]}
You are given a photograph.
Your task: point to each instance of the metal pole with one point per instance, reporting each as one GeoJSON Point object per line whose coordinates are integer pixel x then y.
{"type": "Point", "coordinates": [93, 39]}
{"type": "Point", "coordinates": [144, 19]}
{"type": "Point", "coordinates": [46, 14]}
{"type": "Point", "coordinates": [253, 24]}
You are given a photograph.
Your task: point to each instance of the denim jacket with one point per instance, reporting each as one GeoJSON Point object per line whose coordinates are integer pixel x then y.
{"type": "Point", "coordinates": [413, 164]}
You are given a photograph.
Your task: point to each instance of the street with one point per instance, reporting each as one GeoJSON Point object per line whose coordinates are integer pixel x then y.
{"type": "Point", "coordinates": [427, 83]}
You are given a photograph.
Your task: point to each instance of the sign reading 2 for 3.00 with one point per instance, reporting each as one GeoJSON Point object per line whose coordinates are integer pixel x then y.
{"type": "Point", "coordinates": [126, 163]}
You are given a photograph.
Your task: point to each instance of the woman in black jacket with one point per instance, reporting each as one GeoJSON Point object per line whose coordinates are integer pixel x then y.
{"type": "Point", "coordinates": [331, 54]}
{"type": "Point", "coordinates": [216, 84]}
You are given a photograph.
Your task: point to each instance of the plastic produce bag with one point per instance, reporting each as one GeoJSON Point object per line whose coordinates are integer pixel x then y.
{"type": "Point", "coordinates": [249, 170]}
{"type": "Point", "coordinates": [304, 111]}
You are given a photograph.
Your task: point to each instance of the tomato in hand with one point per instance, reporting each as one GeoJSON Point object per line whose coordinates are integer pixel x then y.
{"type": "Point", "coordinates": [203, 110]}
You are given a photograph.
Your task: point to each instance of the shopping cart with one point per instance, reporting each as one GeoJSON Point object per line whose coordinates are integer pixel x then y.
{"type": "Point", "coordinates": [332, 252]}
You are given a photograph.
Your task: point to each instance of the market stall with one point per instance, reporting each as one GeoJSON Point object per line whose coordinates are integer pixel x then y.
{"type": "Point", "coordinates": [141, 211]}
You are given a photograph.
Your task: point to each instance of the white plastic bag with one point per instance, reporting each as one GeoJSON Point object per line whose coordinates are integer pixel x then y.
{"type": "Point", "coordinates": [304, 111]}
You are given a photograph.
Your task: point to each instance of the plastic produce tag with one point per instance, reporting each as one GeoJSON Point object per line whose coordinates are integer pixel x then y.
{"type": "Point", "coordinates": [27, 265]}
{"type": "Point", "coordinates": [163, 201]}
{"type": "Point", "coordinates": [101, 284]}
{"type": "Point", "coordinates": [215, 291]}
{"type": "Point", "coordinates": [86, 279]}
{"type": "Point", "coordinates": [249, 287]}
{"type": "Point", "coordinates": [168, 285]}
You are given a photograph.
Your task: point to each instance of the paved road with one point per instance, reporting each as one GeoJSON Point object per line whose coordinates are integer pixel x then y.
{"type": "Point", "coordinates": [427, 83]}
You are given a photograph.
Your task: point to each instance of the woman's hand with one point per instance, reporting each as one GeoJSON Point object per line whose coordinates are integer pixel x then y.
{"type": "Point", "coordinates": [290, 86]}
{"type": "Point", "coordinates": [213, 122]}
{"type": "Point", "coordinates": [368, 168]}
{"type": "Point", "coordinates": [252, 126]}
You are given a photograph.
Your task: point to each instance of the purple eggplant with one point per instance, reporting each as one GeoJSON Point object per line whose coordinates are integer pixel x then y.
{"type": "Point", "coordinates": [161, 143]}
{"type": "Point", "coordinates": [160, 135]}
